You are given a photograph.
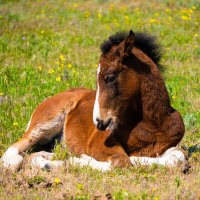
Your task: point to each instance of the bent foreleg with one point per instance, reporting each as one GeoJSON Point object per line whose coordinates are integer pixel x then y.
{"type": "Point", "coordinates": [171, 157]}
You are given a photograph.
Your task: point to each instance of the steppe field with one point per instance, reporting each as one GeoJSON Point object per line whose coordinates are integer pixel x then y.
{"type": "Point", "coordinates": [50, 46]}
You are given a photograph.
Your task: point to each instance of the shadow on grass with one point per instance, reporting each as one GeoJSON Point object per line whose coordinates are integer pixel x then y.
{"type": "Point", "coordinates": [191, 149]}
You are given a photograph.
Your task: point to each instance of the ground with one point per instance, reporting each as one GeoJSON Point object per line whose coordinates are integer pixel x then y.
{"type": "Point", "coordinates": [50, 46]}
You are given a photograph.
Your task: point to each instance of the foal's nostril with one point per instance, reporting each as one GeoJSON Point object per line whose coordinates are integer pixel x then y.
{"type": "Point", "coordinates": [98, 120]}
{"type": "Point", "coordinates": [101, 125]}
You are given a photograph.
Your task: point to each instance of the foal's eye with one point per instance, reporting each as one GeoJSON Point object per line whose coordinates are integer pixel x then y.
{"type": "Point", "coordinates": [110, 78]}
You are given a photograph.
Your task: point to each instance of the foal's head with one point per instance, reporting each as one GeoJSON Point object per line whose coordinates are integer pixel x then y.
{"type": "Point", "coordinates": [118, 78]}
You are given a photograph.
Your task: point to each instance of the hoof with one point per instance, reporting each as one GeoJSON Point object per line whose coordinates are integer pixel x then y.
{"type": "Point", "coordinates": [12, 160]}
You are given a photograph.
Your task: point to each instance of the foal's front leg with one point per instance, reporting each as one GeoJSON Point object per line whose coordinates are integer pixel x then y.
{"type": "Point", "coordinates": [108, 148]}
{"type": "Point", "coordinates": [146, 140]}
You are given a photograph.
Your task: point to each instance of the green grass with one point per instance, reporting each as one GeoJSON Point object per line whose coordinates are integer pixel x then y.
{"type": "Point", "coordinates": [50, 46]}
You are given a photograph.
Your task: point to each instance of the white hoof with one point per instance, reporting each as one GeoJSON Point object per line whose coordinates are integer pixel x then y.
{"type": "Point", "coordinates": [171, 157]}
{"type": "Point", "coordinates": [11, 159]}
{"type": "Point", "coordinates": [41, 160]}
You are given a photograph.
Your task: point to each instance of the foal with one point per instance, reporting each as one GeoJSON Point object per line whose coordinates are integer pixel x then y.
{"type": "Point", "coordinates": [131, 110]}
{"type": "Point", "coordinates": [132, 100]}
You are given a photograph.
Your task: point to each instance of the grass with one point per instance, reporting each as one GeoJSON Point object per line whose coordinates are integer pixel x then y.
{"type": "Point", "coordinates": [50, 46]}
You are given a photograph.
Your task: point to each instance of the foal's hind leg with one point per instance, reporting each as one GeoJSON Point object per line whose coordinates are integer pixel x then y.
{"type": "Point", "coordinates": [37, 133]}
{"type": "Point", "coordinates": [43, 160]}
{"type": "Point", "coordinates": [46, 122]}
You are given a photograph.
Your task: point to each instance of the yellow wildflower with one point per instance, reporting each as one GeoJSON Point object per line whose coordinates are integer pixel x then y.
{"type": "Point", "coordinates": [75, 5]}
{"type": "Point", "coordinates": [196, 35]}
{"type": "Point", "coordinates": [190, 11]}
{"type": "Point", "coordinates": [51, 71]}
{"type": "Point", "coordinates": [169, 18]}
{"type": "Point", "coordinates": [58, 78]}
{"type": "Point", "coordinates": [153, 189]}
{"type": "Point", "coordinates": [162, 60]}
{"type": "Point", "coordinates": [185, 18]}
{"type": "Point", "coordinates": [127, 20]}
{"type": "Point", "coordinates": [79, 186]}
{"type": "Point", "coordinates": [42, 31]}
{"type": "Point", "coordinates": [69, 65]}
{"type": "Point", "coordinates": [173, 97]}
{"type": "Point", "coordinates": [15, 124]}
{"type": "Point", "coordinates": [107, 27]}
{"type": "Point", "coordinates": [152, 21]}
{"type": "Point", "coordinates": [167, 10]}
{"type": "Point", "coordinates": [87, 14]}
{"type": "Point", "coordinates": [74, 72]}
{"type": "Point", "coordinates": [1, 93]}
{"type": "Point", "coordinates": [116, 23]}
{"type": "Point", "coordinates": [57, 180]}
{"type": "Point", "coordinates": [62, 58]}
{"type": "Point", "coordinates": [126, 17]}
{"type": "Point", "coordinates": [39, 68]}
{"type": "Point", "coordinates": [60, 68]}
{"type": "Point", "coordinates": [99, 15]}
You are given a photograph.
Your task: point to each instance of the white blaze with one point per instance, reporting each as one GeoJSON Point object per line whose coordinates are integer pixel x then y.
{"type": "Point", "coordinates": [96, 110]}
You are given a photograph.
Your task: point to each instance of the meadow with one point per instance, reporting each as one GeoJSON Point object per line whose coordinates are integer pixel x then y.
{"type": "Point", "coordinates": [50, 46]}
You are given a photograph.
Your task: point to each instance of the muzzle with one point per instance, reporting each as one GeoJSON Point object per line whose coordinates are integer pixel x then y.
{"type": "Point", "coordinates": [103, 125]}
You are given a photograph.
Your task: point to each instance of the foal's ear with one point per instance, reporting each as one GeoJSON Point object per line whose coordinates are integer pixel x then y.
{"type": "Point", "coordinates": [129, 43]}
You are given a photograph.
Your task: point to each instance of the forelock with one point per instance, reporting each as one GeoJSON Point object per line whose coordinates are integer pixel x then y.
{"type": "Point", "coordinates": [143, 41]}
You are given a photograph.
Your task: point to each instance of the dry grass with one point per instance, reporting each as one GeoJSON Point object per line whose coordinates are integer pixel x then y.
{"type": "Point", "coordinates": [72, 182]}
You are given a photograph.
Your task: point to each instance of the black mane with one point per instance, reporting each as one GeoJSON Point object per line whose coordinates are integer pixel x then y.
{"type": "Point", "coordinates": [145, 42]}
